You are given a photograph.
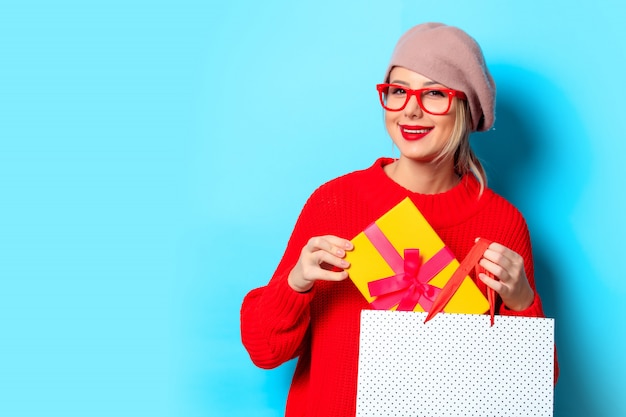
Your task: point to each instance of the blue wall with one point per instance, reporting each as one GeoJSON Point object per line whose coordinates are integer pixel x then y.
{"type": "Point", "coordinates": [154, 157]}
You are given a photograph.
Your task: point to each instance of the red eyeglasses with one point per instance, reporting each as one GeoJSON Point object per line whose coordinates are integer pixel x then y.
{"type": "Point", "coordinates": [436, 101]}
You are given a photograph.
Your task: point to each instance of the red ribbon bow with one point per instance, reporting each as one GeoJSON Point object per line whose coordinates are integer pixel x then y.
{"type": "Point", "coordinates": [409, 286]}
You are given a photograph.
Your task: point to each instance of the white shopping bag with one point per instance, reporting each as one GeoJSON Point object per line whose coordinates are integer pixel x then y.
{"type": "Point", "coordinates": [455, 365]}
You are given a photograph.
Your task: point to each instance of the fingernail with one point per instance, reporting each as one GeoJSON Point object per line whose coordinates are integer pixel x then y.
{"type": "Point", "coordinates": [344, 263]}
{"type": "Point", "coordinates": [341, 253]}
{"type": "Point", "coordinates": [348, 245]}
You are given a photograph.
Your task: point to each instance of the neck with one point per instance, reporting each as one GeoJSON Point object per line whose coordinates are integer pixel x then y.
{"type": "Point", "coordinates": [423, 178]}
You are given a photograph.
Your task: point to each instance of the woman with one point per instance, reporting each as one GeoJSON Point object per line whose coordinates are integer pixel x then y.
{"type": "Point", "coordinates": [437, 90]}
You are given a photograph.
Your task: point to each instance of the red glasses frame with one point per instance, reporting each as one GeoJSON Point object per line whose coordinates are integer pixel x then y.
{"type": "Point", "coordinates": [418, 96]}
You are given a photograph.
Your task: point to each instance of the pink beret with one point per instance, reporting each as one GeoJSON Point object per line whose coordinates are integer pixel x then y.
{"type": "Point", "coordinates": [449, 56]}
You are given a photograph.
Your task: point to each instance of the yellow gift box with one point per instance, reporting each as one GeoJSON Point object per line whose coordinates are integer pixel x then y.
{"type": "Point", "coordinates": [400, 263]}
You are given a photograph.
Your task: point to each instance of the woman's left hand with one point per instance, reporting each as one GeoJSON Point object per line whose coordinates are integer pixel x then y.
{"type": "Point", "coordinates": [511, 282]}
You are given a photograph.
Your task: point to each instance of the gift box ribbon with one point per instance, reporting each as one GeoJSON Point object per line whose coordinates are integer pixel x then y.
{"type": "Point", "coordinates": [409, 286]}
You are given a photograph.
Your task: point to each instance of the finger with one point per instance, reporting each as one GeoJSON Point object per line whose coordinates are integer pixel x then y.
{"type": "Point", "coordinates": [331, 244]}
{"type": "Point", "coordinates": [494, 284]}
{"type": "Point", "coordinates": [510, 262]}
{"type": "Point", "coordinates": [319, 273]}
{"type": "Point", "coordinates": [339, 242]}
{"type": "Point", "coordinates": [495, 269]}
{"type": "Point", "coordinates": [497, 256]}
{"type": "Point", "coordinates": [500, 254]}
{"type": "Point", "coordinates": [323, 258]}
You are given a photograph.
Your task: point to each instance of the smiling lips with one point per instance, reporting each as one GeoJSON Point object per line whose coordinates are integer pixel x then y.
{"type": "Point", "coordinates": [414, 132]}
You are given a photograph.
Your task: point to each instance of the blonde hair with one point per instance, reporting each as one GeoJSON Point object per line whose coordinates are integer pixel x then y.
{"type": "Point", "coordinates": [458, 146]}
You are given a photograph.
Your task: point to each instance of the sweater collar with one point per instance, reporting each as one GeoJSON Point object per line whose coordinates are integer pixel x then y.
{"type": "Point", "coordinates": [441, 210]}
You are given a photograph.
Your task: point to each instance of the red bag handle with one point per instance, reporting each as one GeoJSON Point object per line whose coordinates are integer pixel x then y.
{"type": "Point", "coordinates": [470, 261]}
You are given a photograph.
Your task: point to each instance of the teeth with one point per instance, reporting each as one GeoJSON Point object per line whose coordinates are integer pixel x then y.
{"type": "Point", "coordinates": [416, 131]}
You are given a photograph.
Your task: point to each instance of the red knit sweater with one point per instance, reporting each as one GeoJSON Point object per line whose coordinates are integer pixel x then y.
{"type": "Point", "coordinates": [322, 325]}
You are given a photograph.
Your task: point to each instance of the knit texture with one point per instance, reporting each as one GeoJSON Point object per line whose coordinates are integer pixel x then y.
{"type": "Point", "coordinates": [322, 326]}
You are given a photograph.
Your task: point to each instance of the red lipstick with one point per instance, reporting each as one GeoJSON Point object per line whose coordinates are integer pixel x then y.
{"type": "Point", "coordinates": [414, 132]}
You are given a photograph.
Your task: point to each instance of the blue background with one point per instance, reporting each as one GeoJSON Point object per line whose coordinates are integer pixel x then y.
{"type": "Point", "coordinates": [154, 156]}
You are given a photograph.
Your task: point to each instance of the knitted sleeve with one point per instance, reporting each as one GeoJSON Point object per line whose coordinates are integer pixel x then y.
{"type": "Point", "coordinates": [275, 318]}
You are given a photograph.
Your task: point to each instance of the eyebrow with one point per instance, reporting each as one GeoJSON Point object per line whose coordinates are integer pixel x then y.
{"type": "Point", "coordinates": [426, 84]}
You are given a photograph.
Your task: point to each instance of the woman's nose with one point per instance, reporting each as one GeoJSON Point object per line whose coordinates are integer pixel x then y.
{"type": "Point", "coordinates": [412, 108]}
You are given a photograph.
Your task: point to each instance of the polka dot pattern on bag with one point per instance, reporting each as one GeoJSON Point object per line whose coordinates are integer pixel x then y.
{"type": "Point", "coordinates": [454, 365]}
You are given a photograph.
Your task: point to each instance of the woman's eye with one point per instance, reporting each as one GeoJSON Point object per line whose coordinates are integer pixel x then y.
{"type": "Point", "coordinates": [396, 91]}
{"type": "Point", "coordinates": [435, 93]}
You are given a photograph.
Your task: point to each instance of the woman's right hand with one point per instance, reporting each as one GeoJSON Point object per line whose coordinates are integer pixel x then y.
{"type": "Point", "coordinates": [318, 257]}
